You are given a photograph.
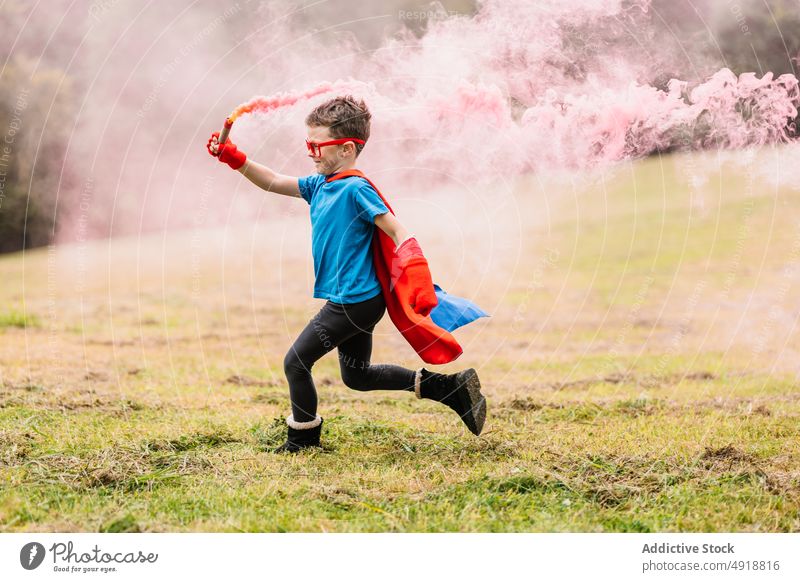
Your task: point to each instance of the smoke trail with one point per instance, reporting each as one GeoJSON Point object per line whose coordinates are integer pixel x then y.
{"type": "Point", "coordinates": [265, 105]}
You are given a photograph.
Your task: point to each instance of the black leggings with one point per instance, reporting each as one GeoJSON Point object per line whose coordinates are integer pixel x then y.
{"type": "Point", "coordinates": [348, 327]}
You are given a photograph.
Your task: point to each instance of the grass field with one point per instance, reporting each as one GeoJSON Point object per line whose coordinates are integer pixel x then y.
{"type": "Point", "coordinates": [640, 366]}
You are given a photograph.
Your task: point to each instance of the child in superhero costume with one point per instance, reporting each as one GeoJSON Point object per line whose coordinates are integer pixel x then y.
{"type": "Point", "coordinates": [362, 272]}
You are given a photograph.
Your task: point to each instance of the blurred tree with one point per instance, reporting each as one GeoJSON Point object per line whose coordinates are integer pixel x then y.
{"type": "Point", "coordinates": [37, 106]}
{"type": "Point", "coordinates": [759, 36]}
{"type": "Point", "coordinates": [34, 109]}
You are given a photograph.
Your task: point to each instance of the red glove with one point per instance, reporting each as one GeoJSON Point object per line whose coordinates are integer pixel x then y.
{"type": "Point", "coordinates": [411, 263]}
{"type": "Point", "coordinates": [227, 152]}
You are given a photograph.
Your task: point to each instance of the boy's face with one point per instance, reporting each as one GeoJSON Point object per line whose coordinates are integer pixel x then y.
{"type": "Point", "coordinates": [331, 157]}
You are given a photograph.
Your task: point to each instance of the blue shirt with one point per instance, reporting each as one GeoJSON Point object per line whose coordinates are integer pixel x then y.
{"type": "Point", "coordinates": [342, 226]}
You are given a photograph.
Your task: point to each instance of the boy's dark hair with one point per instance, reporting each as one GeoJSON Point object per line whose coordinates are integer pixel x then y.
{"type": "Point", "coordinates": [344, 117]}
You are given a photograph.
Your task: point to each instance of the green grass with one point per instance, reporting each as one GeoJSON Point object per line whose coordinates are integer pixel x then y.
{"type": "Point", "coordinates": [573, 466]}
{"type": "Point", "coordinates": [630, 398]}
{"type": "Point", "coordinates": [18, 319]}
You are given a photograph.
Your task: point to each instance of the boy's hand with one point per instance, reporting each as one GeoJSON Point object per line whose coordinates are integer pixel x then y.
{"type": "Point", "coordinates": [226, 153]}
{"type": "Point", "coordinates": [413, 264]}
{"type": "Point", "coordinates": [423, 297]}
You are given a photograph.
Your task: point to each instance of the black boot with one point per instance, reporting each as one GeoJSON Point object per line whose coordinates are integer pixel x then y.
{"type": "Point", "coordinates": [460, 391]}
{"type": "Point", "coordinates": [301, 435]}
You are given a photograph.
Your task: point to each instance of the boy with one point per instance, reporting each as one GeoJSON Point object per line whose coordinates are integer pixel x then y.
{"type": "Point", "coordinates": [345, 209]}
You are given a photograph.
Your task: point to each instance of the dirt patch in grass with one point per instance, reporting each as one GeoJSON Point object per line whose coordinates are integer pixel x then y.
{"type": "Point", "coordinates": [91, 401]}
{"type": "Point", "coordinates": [726, 453]}
{"type": "Point", "coordinates": [69, 400]}
{"type": "Point", "coordinates": [22, 386]}
{"type": "Point", "coordinates": [240, 380]}
{"type": "Point", "coordinates": [732, 464]}
{"type": "Point", "coordinates": [213, 438]}
{"type": "Point", "coordinates": [96, 376]}
{"type": "Point", "coordinates": [268, 399]}
{"type": "Point", "coordinates": [15, 446]}
{"type": "Point", "coordinates": [582, 411]}
{"type": "Point", "coordinates": [526, 404]}
{"type": "Point", "coordinates": [646, 380]}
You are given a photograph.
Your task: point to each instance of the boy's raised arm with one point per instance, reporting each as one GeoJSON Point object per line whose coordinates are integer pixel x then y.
{"type": "Point", "coordinates": [258, 174]}
{"type": "Point", "coordinates": [270, 180]}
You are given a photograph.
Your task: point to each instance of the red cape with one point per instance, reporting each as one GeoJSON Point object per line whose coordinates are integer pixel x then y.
{"type": "Point", "coordinates": [433, 344]}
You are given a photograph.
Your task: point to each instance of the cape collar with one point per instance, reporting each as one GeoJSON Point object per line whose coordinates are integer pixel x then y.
{"type": "Point", "coordinates": [344, 174]}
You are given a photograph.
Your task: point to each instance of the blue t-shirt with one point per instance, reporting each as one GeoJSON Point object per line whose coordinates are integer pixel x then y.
{"type": "Point", "coordinates": [342, 226]}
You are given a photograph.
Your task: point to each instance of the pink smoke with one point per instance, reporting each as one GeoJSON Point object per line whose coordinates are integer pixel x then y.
{"type": "Point", "coordinates": [494, 92]}
{"type": "Point", "coordinates": [509, 88]}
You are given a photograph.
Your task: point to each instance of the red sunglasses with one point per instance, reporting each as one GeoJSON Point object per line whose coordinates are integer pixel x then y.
{"type": "Point", "coordinates": [315, 148]}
